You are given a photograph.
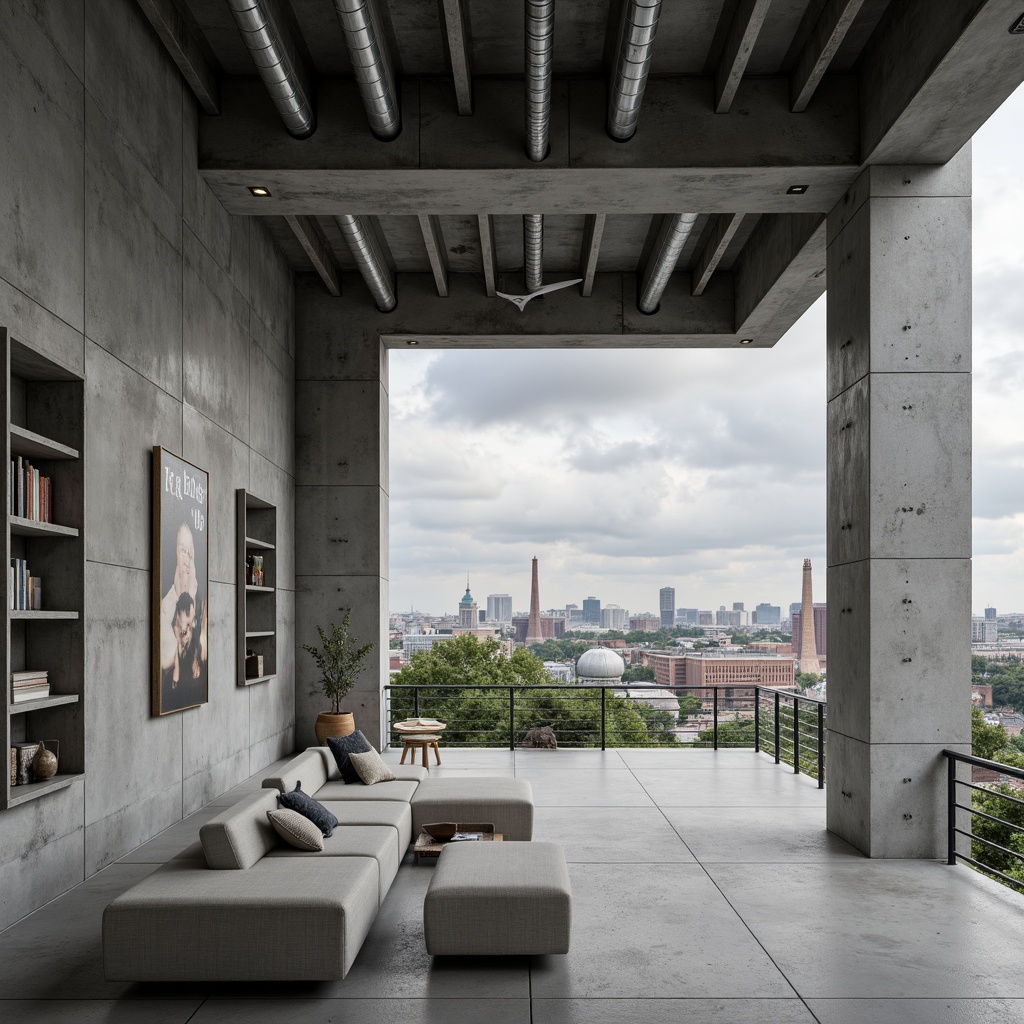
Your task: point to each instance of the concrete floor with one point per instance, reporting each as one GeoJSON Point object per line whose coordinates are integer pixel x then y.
{"type": "Point", "coordinates": [705, 888]}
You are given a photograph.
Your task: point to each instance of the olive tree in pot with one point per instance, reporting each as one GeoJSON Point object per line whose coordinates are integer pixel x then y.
{"type": "Point", "coordinates": [338, 661]}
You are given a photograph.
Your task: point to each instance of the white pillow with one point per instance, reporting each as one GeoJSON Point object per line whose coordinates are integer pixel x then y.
{"type": "Point", "coordinates": [370, 767]}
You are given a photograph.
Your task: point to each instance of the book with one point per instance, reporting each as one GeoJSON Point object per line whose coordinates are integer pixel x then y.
{"type": "Point", "coordinates": [31, 693]}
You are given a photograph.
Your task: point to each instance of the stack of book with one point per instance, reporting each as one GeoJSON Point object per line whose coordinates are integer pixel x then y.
{"type": "Point", "coordinates": [33, 684]}
{"type": "Point", "coordinates": [25, 591]}
{"type": "Point", "coordinates": [31, 495]}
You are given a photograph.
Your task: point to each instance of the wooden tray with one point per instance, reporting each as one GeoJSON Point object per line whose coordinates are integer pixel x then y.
{"type": "Point", "coordinates": [427, 846]}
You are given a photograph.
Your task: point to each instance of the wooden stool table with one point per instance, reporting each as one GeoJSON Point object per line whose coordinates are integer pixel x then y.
{"type": "Point", "coordinates": [422, 742]}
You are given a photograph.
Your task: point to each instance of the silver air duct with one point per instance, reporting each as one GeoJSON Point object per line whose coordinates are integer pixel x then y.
{"type": "Point", "coordinates": [533, 250]}
{"type": "Point", "coordinates": [371, 65]}
{"type": "Point", "coordinates": [671, 240]}
{"type": "Point", "coordinates": [632, 63]}
{"type": "Point", "coordinates": [371, 263]}
{"type": "Point", "coordinates": [277, 64]}
{"type": "Point", "coordinates": [540, 34]}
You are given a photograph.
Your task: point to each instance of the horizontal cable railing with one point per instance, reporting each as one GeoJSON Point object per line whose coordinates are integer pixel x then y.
{"type": "Point", "coordinates": [793, 729]}
{"type": "Point", "coordinates": [993, 822]}
{"type": "Point", "coordinates": [625, 714]}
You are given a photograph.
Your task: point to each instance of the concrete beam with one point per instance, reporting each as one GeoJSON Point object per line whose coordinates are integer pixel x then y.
{"type": "Point", "coordinates": [184, 50]}
{"type": "Point", "coordinates": [317, 248]}
{"type": "Point", "coordinates": [687, 157]}
{"type": "Point", "coordinates": [488, 253]}
{"type": "Point", "coordinates": [739, 45]}
{"type": "Point", "coordinates": [725, 226]}
{"type": "Point", "coordinates": [779, 274]}
{"type": "Point", "coordinates": [433, 241]}
{"type": "Point", "coordinates": [829, 31]}
{"type": "Point", "coordinates": [590, 250]}
{"type": "Point", "coordinates": [459, 47]}
{"type": "Point", "coordinates": [933, 73]}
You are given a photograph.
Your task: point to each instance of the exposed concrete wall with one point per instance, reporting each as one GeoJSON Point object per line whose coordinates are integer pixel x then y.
{"type": "Point", "coordinates": [341, 505]}
{"type": "Point", "coordinates": [899, 503]}
{"type": "Point", "coordinates": [116, 259]}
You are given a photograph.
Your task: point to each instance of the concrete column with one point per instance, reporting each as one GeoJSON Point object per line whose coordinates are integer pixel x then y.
{"type": "Point", "coordinates": [899, 503]}
{"type": "Point", "coordinates": [341, 495]}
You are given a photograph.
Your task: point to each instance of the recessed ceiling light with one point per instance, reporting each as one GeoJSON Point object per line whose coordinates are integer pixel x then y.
{"type": "Point", "coordinates": [1017, 28]}
{"type": "Point", "coordinates": [260, 191]}
{"type": "Point", "coordinates": [746, 341]}
{"type": "Point", "coordinates": [412, 341]}
{"type": "Point", "coordinates": [796, 190]}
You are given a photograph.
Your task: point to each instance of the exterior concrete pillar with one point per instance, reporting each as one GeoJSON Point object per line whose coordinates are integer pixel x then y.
{"type": "Point", "coordinates": [899, 503]}
{"type": "Point", "coordinates": [341, 496]}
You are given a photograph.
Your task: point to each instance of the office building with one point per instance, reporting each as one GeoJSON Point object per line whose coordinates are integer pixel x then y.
{"type": "Point", "coordinates": [645, 623]}
{"type": "Point", "coordinates": [614, 616]}
{"type": "Point", "coordinates": [468, 618]}
{"type": "Point", "coordinates": [687, 616]}
{"type": "Point", "coordinates": [767, 615]}
{"type": "Point", "coordinates": [499, 608]}
{"type": "Point", "coordinates": [667, 604]}
{"type": "Point", "coordinates": [592, 611]}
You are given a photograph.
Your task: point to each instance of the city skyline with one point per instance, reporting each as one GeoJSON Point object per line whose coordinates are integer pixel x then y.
{"type": "Point", "coordinates": [703, 470]}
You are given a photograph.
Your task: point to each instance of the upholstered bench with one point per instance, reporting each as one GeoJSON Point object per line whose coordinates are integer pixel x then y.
{"type": "Point", "coordinates": [508, 803]}
{"type": "Point", "coordinates": [498, 899]}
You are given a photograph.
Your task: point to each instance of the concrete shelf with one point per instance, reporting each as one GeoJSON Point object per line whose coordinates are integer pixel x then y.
{"type": "Point", "coordinates": [53, 701]}
{"type": "Point", "coordinates": [258, 545]}
{"type": "Point", "coordinates": [259, 590]}
{"type": "Point", "coordinates": [35, 446]}
{"type": "Point", "coordinates": [34, 790]}
{"type": "Point", "coordinates": [41, 615]}
{"type": "Point", "coordinates": [22, 527]}
{"type": "Point", "coordinates": [257, 679]}
{"type": "Point", "coordinates": [256, 606]}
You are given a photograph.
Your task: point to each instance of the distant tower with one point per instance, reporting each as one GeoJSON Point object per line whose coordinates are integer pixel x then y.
{"type": "Point", "coordinates": [808, 652]}
{"type": "Point", "coordinates": [667, 606]}
{"type": "Point", "coordinates": [533, 628]}
{"type": "Point", "coordinates": [467, 610]}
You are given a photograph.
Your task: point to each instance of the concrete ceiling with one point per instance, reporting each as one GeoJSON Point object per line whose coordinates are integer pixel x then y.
{"type": "Point", "coordinates": [893, 82]}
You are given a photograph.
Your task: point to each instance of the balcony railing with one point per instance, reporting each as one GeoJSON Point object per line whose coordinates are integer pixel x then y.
{"type": "Point", "coordinates": [994, 818]}
{"type": "Point", "coordinates": [785, 725]}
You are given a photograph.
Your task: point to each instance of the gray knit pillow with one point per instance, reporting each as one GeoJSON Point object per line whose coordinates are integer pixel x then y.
{"type": "Point", "coordinates": [296, 830]}
{"type": "Point", "coordinates": [370, 767]}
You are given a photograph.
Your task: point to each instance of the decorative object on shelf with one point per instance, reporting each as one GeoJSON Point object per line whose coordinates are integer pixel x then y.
{"type": "Point", "coordinates": [44, 764]}
{"type": "Point", "coordinates": [253, 665]}
{"type": "Point", "coordinates": [14, 766]}
{"type": "Point", "coordinates": [26, 754]}
{"type": "Point", "coordinates": [338, 661]}
{"type": "Point", "coordinates": [180, 584]}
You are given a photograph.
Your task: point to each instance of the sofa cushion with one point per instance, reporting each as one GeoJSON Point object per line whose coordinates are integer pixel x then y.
{"type": "Point", "coordinates": [393, 813]}
{"type": "Point", "coordinates": [397, 790]}
{"type": "Point", "coordinates": [370, 768]}
{"type": "Point", "coordinates": [342, 746]}
{"type": "Point", "coordinates": [283, 920]}
{"type": "Point", "coordinates": [309, 768]}
{"type": "Point", "coordinates": [309, 808]}
{"type": "Point", "coordinates": [377, 841]}
{"type": "Point", "coordinates": [296, 830]}
{"type": "Point", "coordinates": [240, 835]}
{"type": "Point", "coordinates": [508, 803]}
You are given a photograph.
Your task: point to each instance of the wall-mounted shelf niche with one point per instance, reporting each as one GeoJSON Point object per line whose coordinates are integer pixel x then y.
{"type": "Point", "coordinates": [256, 602]}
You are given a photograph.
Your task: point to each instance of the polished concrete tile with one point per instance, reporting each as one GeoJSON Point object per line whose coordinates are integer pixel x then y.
{"type": "Point", "coordinates": [918, 1011]}
{"type": "Point", "coordinates": [669, 935]}
{"type": "Point", "coordinates": [580, 788]}
{"type": "Point", "coordinates": [99, 1011]}
{"type": "Point", "coordinates": [883, 929]}
{"type": "Point", "coordinates": [711, 787]}
{"type": "Point", "coordinates": [688, 758]}
{"type": "Point", "coordinates": [366, 1011]}
{"type": "Point", "coordinates": [737, 835]}
{"type": "Point", "coordinates": [599, 835]}
{"type": "Point", "coordinates": [560, 760]}
{"type": "Point", "coordinates": [670, 1011]}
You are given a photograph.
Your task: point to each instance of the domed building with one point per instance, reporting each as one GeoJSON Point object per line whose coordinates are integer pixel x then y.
{"type": "Point", "coordinates": [467, 610]}
{"type": "Point", "coordinates": [599, 666]}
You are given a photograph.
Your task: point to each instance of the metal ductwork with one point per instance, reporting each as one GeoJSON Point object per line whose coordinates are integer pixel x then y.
{"type": "Point", "coordinates": [277, 63]}
{"type": "Point", "coordinates": [362, 243]}
{"type": "Point", "coordinates": [540, 37]}
{"type": "Point", "coordinates": [632, 63]}
{"type": "Point", "coordinates": [371, 65]}
{"type": "Point", "coordinates": [671, 239]}
{"type": "Point", "coordinates": [533, 250]}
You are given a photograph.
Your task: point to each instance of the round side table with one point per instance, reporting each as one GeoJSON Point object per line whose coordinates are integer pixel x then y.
{"type": "Point", "coordinates": [421, 742]}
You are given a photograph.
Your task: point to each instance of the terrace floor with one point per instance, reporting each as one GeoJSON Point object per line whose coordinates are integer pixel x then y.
{"type": "Point", "coordinates": [705, 888]}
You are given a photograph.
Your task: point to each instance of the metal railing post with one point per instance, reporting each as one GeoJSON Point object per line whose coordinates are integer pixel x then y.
{"type": "Point", "coordinates": [757, 719]}
{"type": "Point", "coordinates": [951, 812]}
{"type": "Point", "coordinates": [821, 746]}
{"type": "Point", "coordinates": [511, 718]}
{"type": "Point", "coordinates": [604, 694]}
{"type": "Point", "coordinates": [416, 702]}
{"type": "Point", "coordinates": [777, 758]}
{"type": "Point", "coordinates": [796, 734]}
{"type": "Point", "coordinates": [715, 714]}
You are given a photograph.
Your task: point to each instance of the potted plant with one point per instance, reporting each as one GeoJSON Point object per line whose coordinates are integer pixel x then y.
{"type": "Point", "coordinates": [338, 661]}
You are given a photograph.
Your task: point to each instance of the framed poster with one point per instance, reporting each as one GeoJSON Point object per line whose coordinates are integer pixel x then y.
{"type": "Point", "coordinates": [181, 584]}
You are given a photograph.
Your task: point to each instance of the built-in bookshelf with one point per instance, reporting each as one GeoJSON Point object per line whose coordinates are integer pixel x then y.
{"type": "Point", "coordinates": [44, 638]}
{"type": "Point", "coordinates": [256, 588]}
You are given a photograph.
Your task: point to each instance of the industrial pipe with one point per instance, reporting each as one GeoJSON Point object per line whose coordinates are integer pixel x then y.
{"type": "Point", "coordinates": [533, 250]}
{"type": "Point", "coordinates": [632, 63]}
{"type": "Point", "coordinates": [540, 35]}
{"type": "Point", "coordinates": [369, 260]}
{"type": "Point", "coordinates": [663, 261]}
{"type": "Point", "coordinates": [371, 65]}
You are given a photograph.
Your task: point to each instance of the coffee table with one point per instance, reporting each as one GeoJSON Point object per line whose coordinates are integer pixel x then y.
{"type": "Point", "coordinates": [428, 846]}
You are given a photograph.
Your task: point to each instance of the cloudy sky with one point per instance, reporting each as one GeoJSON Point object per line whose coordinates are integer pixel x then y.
{"type": "Point", "coordinates": [624, 472]}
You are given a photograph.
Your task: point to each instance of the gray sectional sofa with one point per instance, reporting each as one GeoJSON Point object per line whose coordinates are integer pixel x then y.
{"type": "Point", "coordinates": [242, 905]}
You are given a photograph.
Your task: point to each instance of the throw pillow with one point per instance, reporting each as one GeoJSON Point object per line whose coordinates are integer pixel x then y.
{"type": "Point", "coordinates": [342, 746]}
{"type": "Point", "coordinates": [296, 830]}
{"type": "Point", "coordinates": [309, 808]}
{"type": "Point", "coordinates": [371, 767]}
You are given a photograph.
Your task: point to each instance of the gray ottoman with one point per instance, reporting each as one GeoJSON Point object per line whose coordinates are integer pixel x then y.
{"type": "Point", "coordinates": [508, 803]}
{"type": "Point", "coordinates": [498, 899]}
